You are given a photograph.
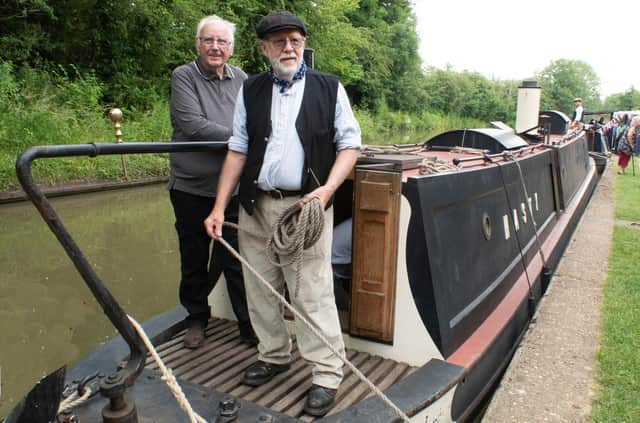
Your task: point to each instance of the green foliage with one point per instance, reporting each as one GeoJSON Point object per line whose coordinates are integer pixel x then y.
{"type": "Point", "coordinates": [388, 57]}
{"type": "Point", "coordinates": [471, 95]}
{"type": "Point", "coordinates": [385, 127]}
{"type": "Point", "coordinates": [42, 108]}
{"type": "Point", "coordinates": [628, 100]}
{"type": "Point", "coordinates": [64, 63]}
{"type": "Point", "coordinates": [564, 80]}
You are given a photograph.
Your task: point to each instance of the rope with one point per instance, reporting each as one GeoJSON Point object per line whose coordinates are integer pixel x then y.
{"type": "Point", "coordinates": [167, 376]}
{"type": "Point", "coordinates": [295, 230]}
{"type": "Point", "coordinates": [467, 150]}
{"type": "Point", "coordinates": [316, 332]}
{"type": "Point", "coordinates": [307, 224]}
{"type": "Point", "coordinates": [533, 219]}
{"type": "Point", "coordinates": [73, 400]}
{"type": "Point", "coordinates": [508, 155]}
{"type": "Point", "coordinates": [369, 151]}
{"type": "Point", "coordinates": [287, 225]}
{"type": "Point", "coordinates": [431, 165]}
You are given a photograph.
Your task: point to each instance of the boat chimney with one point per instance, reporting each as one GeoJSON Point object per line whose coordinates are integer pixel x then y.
{"type": "Point", "coordinates": [528, 107]}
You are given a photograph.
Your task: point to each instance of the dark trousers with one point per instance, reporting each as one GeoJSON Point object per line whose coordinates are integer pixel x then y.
{"type": "Point", "coordinates": [200, 272]}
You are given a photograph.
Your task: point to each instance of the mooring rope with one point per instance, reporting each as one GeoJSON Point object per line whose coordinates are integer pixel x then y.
{"type": "Point", "coordinates": [528, 200]}
{"type": "Point", "coordinates": [74, 400]}
{"type": "Point", "coordinates": [516, 234]}
{"type": "Point", "coordinates": [167, 375]}
{"type": "Point", "coordinates": [307, 218]}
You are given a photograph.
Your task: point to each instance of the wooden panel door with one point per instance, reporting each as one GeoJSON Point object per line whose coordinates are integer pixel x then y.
{"type": "Point", "coordinates": [375, 248]}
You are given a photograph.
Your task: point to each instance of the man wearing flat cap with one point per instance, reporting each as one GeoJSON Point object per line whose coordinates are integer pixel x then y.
{"type": "Point", "coordinates": [294, 139]}
{"type": "Point", "coordinates": [576, 120]}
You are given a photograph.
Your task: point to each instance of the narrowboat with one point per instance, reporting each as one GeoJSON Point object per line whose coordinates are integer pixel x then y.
{"type": "Point", "coordinates": [454, 242]}
{"type": "Point", "coordinates": [557, 123]}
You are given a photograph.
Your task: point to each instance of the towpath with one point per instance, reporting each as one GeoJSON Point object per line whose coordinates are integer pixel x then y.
{"type": "Point", "coordinates": [552, 375]}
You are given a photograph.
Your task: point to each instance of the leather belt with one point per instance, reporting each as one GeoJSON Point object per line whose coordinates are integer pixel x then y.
{"type": "Point", "coordinates": [279, 194]}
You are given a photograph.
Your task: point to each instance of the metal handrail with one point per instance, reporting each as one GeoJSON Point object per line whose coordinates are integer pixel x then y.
{"type": "Point", "coordinates": [109, 305]}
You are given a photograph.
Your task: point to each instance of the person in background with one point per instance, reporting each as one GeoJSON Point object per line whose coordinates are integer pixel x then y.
{"type": "Point", "coordinates": [295, 139]}
{"type": "Point", "coordinates": [621, 128]}
{"type": "Point", "coordinates": [203, 97]}
{"type": "Point", "coordinates": [627, 142]}
{"type": "Point", "coordinates": [636, 144]}
{"type": "Point", "coordinates": [578, 114]}
{"type": "Point", "coordinates": [609, 130]}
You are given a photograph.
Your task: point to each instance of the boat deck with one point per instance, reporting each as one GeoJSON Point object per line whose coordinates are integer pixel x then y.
{"type": "Point", "coordinates": [221, 361]}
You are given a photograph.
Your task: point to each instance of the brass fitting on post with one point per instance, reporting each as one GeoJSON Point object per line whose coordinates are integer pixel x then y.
{"type": "Point", "coordinates": [116, 116]}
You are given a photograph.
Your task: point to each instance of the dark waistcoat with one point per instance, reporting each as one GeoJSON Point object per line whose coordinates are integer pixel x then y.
{"type": "Point", "coordinates": [314, 124]}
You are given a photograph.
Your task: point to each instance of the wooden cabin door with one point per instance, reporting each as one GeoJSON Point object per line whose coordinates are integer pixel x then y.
{"type": "Point", "coordinates": [375, 248]}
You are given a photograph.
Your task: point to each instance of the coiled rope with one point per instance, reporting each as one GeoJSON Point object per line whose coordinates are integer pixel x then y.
{"type": "Point", "coordinates": [310, 221]}
{"type": "Point", "coordinates": [431, 165]}
{"type": "Point", "coordinates": [297, 229]}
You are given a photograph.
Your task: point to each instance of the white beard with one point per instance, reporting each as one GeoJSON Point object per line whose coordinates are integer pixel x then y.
{"type": "Point", "coordinates": [285, 72]}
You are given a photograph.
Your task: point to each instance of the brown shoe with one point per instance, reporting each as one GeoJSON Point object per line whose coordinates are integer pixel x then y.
{"type": "Point", "coordinates": [194, 336]}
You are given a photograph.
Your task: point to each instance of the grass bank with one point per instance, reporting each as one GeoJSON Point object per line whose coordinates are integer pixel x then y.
{"type": "Point", "coordinates": [618, 390]}
{"type": "Point", "coordinates": [40, 125]}
{"type": "Point", "coordinates": [48, 108]}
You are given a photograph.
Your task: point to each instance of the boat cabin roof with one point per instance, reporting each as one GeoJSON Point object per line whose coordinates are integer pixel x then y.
{"type": "Point", "coordinates": [492, 139]}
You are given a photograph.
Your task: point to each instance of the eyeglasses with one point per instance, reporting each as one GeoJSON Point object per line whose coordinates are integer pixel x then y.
{"type": "Point", "coordinates": [208, 41]}
{"type": "Point", "coordinates": [280, 43]}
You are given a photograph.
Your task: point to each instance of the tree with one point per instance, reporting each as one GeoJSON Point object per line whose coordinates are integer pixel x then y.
{"type": "Point", "coordinates": [628, 100]}
{"type": "Point", "coordinates": [563, 80]}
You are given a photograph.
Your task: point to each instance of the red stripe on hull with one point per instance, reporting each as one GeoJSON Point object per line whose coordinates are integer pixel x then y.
{"type": "Point", "coordinates": [473, 348]}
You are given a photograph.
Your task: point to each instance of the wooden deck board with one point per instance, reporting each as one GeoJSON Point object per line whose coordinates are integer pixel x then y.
{"type": "Point", "coordinates": [221, 362]}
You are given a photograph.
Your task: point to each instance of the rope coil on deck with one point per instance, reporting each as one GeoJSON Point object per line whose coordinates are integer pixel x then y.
{"type": "Point", "coordinates": [432, 165]}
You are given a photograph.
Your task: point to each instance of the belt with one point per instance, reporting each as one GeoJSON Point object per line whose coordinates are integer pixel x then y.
{"type": "Point", "coordinates": [279, 194]}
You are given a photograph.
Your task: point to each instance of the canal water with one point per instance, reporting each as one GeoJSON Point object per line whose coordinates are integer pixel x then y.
{"type": "Point", "coordinates": [48, 317]}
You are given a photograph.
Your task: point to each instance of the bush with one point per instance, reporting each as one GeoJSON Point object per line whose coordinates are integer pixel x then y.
{"type": "Point", "coordinates": [60, 107]}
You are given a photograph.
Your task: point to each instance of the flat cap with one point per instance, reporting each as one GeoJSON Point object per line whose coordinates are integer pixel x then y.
{"type": "Point", "coordinates": [577, 99]}
{"type": "Point", "coordinates": [279, 20]}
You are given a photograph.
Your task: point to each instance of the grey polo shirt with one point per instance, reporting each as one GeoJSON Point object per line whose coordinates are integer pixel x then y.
{"type": "Point", "coordinates": [201, 109]}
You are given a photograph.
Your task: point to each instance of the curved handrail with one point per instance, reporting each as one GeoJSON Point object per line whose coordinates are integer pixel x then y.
{"type": "Point", "coordinates": [106, 300]}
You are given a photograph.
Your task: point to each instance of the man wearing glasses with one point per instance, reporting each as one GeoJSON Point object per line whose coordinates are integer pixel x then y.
{"type": "Point", "coordinates": [203, 97]}
{"type": "Point", "coordinates": [294, 138]}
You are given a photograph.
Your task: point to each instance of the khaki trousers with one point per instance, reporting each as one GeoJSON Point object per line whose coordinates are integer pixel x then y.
{"type": "Point", "coordinates": [315, 299]}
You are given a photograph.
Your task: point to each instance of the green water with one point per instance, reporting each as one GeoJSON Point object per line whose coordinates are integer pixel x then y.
{"type": "Point", "coordinates": [48, 316]}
